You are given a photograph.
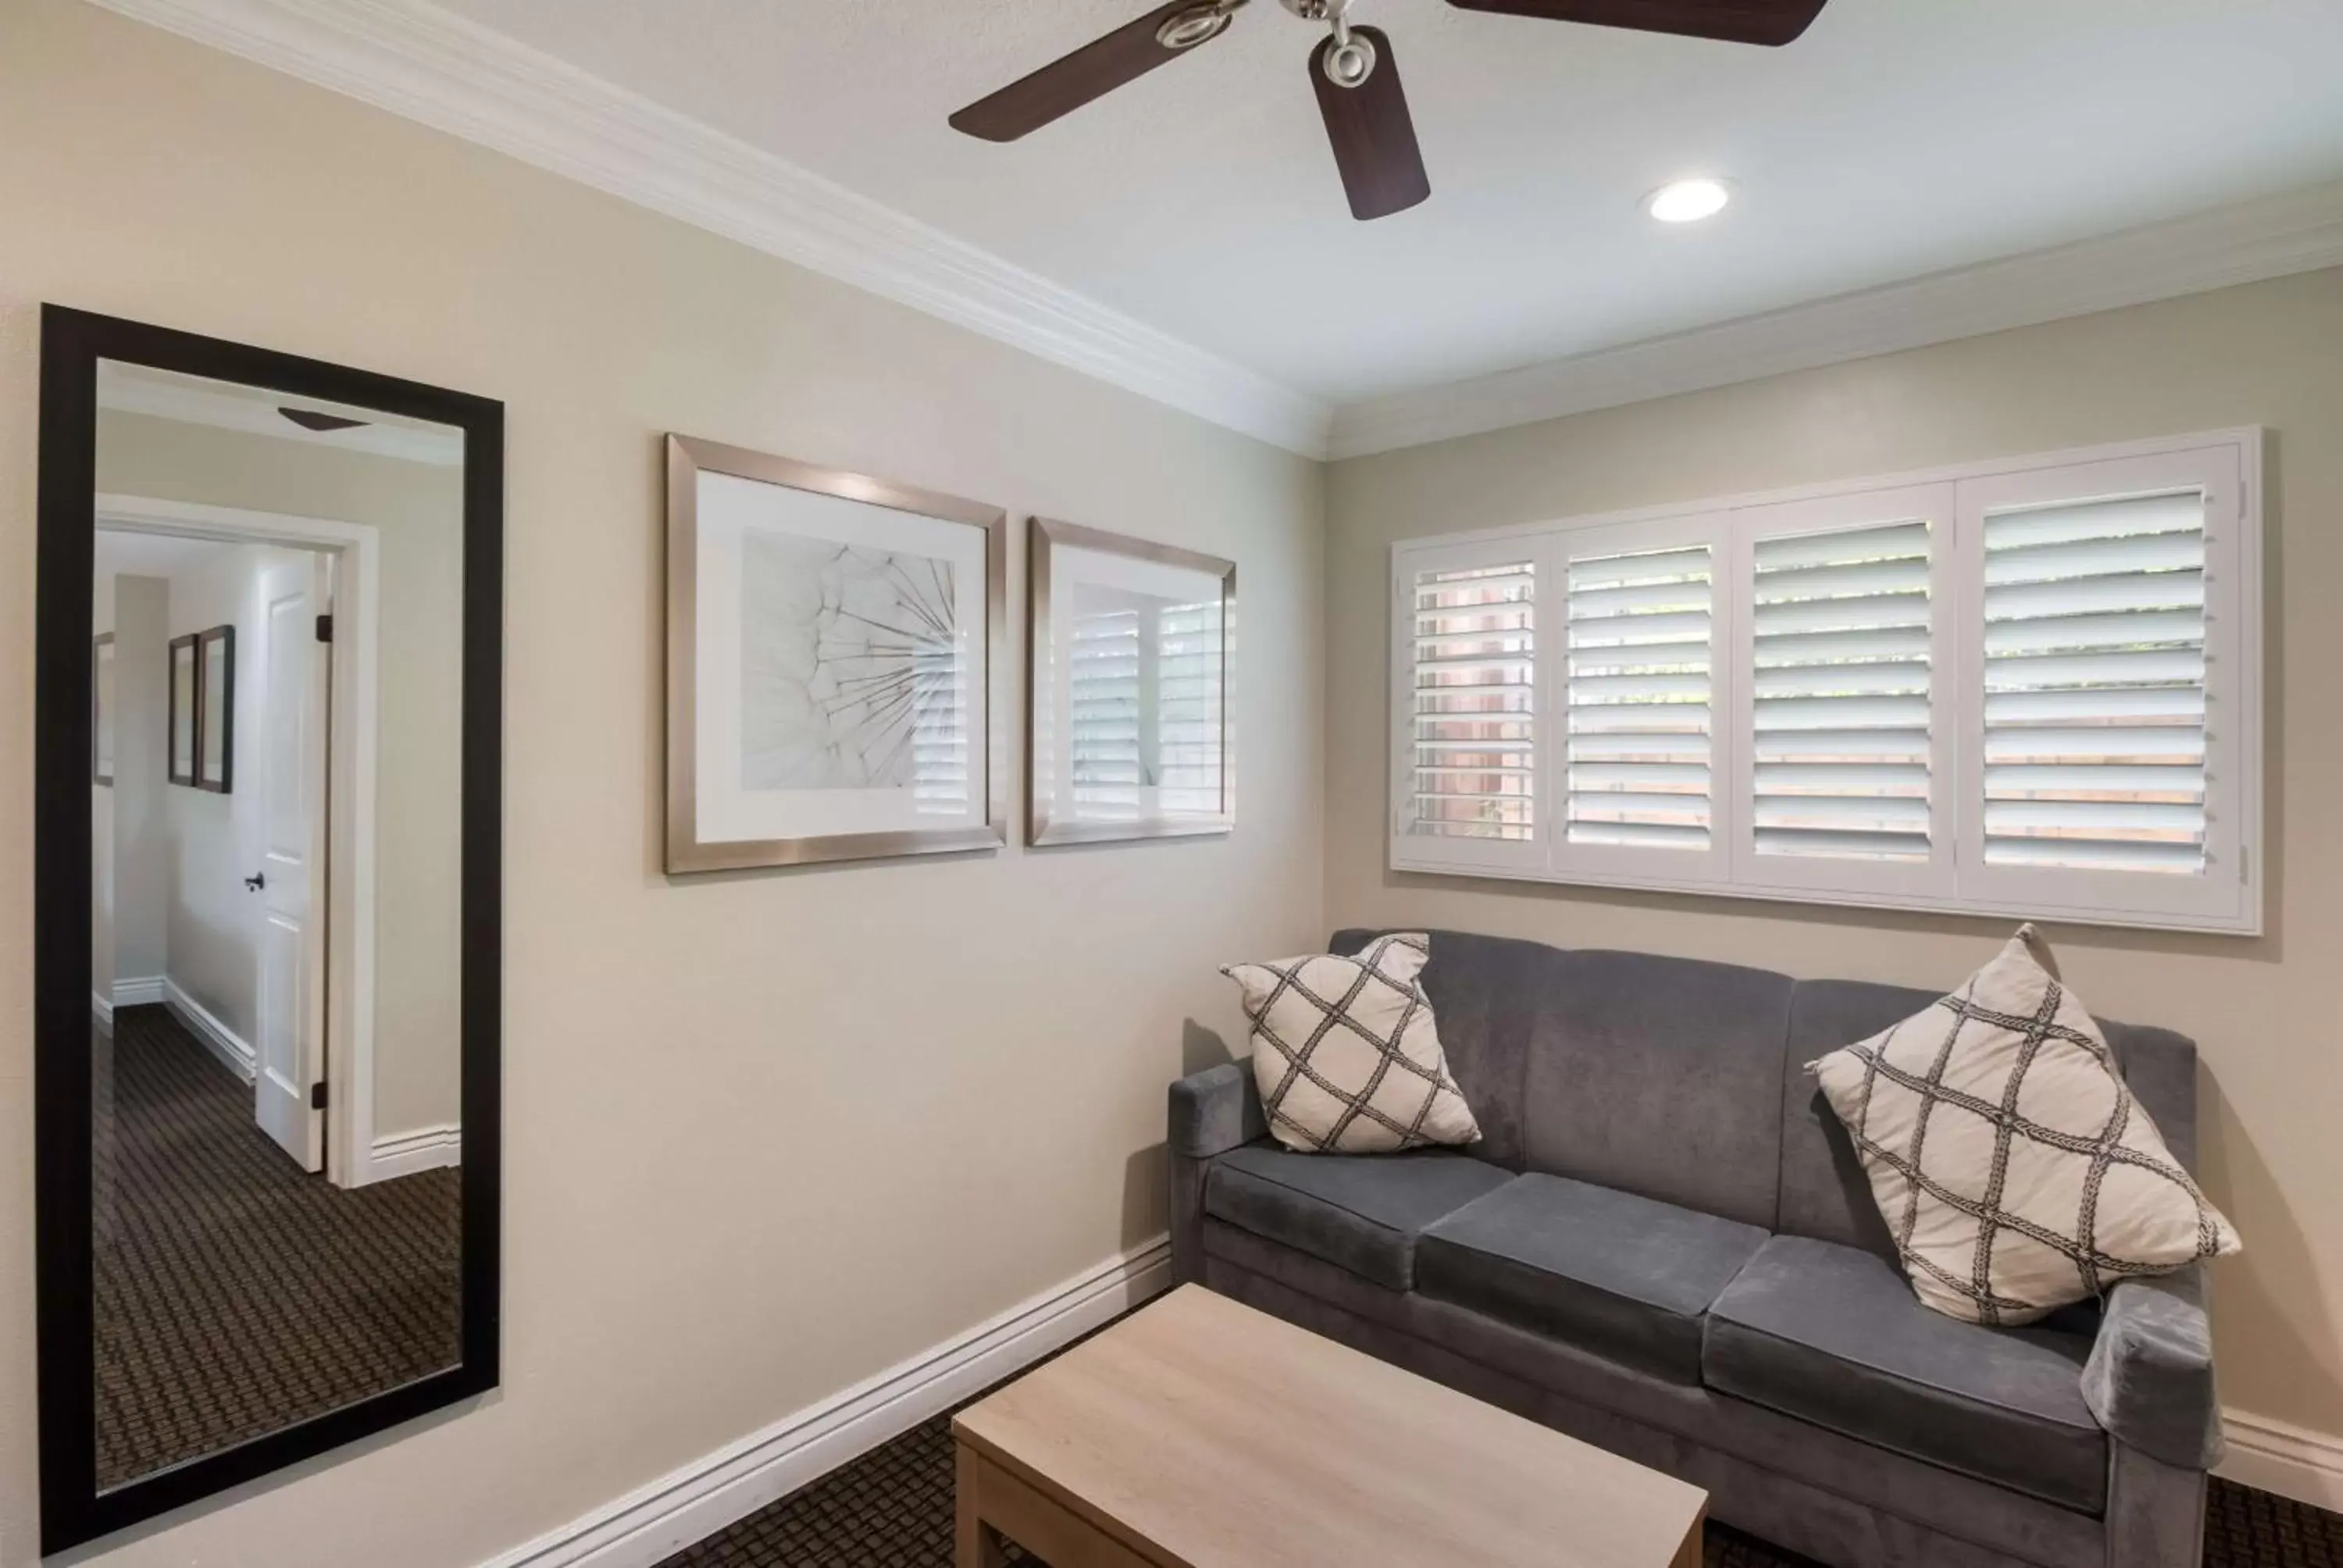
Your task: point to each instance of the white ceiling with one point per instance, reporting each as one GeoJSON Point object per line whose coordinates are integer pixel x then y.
{"type": "Point", "coordinates": [260, 411]}
{"type": "Point", "coordinates": [1898, 138]}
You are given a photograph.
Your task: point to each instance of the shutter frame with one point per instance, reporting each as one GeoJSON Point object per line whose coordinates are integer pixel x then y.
{"type": "Point", "coordinates": [1411, 850]}
{"type": "Point", "coordinates": [1648, 864]}
{"type": "Point", "coordinates": [2226, 894]}
{"type": "Point", "coordinates": [1857, 512]}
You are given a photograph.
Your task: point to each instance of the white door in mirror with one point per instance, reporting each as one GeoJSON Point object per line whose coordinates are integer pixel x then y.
{"type": "Point", "coordinates": [293, 722]}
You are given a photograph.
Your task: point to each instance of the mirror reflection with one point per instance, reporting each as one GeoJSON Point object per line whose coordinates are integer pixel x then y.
{"type": "Point", "coordinates": [276, 865]}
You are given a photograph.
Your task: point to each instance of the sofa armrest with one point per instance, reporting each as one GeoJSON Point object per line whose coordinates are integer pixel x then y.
{"type": "Point", "coordinates": [1215, 1110]}
{"type": "Point", "coordinates": [2150, 1379]}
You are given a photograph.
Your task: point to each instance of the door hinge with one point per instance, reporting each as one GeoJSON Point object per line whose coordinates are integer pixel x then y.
{"type": "Point", "coordinates": [324, 628]}
{"type": "Point", "coordinates": [317, 1095]}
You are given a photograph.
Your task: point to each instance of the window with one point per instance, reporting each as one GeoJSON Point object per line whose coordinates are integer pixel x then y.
{"type": "Point", "coordinates": [2028, 689]}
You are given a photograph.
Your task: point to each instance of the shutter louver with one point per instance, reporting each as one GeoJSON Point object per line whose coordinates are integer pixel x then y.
{"type": "Point", "coordinates": [1842, 693]}
{"type": "Point", "coordinates": [1475, 694]}
{"type": "Point", "coordinates": [1640, 635]}
{"type": "Point", "coordinates": [2094, 685]}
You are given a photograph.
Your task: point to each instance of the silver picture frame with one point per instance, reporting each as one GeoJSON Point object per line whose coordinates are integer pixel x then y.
{"type": "Point", "coordinates": [1046, 822]}
{"type": "Point", "coordinates": [687, 851]}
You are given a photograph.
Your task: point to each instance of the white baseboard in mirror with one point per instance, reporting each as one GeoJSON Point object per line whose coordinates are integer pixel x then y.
{"type": "Point", "coordinates": [235, 1052]}
{"type": "Point", "coordinates": [405, 1153]}
{"type": "Point", "coordinates": [651, 1522]}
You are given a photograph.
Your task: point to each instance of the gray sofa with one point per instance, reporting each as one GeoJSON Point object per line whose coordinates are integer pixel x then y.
{"type": "Point", "coordinates": [1663, 1245]}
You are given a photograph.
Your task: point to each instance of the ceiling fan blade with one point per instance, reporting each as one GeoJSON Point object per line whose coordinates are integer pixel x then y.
{"type": "Point", "coordinates": [1768, 22]}
{"type": "Point", "coordinates": [1372, 132]}
{"type": "Point", "coordinates": [1096, 69]}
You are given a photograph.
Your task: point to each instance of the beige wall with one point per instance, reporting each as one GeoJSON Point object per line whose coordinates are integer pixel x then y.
{"type": "Point", "coordinates": [418, 512]}
{"type": "Point", "coordinates": [765, 1134]}
{"type": "Point", "coordinates": [2264, 1011]}
{"type": "Point", "coordinates": [138, 833]}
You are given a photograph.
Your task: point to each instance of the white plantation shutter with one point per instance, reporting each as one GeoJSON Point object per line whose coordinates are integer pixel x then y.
{"type": "Point", "coordinates": [1639, 716]}
{"type": "Point", "coordinates": [1844, 734]}
{"type": "Point", "coordinates": [1472, 701]}
{"type": "Point", "coordinates": [2033, 690]}
{"type": "Point", "coordinates": [2094, 685]}
{"type": "Point", "coordinates": [1842, 693]}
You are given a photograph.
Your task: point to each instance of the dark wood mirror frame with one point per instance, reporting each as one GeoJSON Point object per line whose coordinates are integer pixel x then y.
{"type": "Point", "coordinates": [73, 343]}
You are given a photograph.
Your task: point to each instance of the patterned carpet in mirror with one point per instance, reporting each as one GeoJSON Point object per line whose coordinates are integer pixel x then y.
{"type": "Point", "coordinates": [892, 1508]}
{"type": "Point", "coordinates": [236, 1293]}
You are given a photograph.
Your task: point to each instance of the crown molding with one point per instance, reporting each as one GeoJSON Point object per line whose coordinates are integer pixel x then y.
{"type": "Point", "coordinates": [2301, 231]}
{"type": "Point", "coordinates": [429, 66]}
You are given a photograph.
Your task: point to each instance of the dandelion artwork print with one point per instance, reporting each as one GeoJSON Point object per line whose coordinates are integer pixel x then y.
{"type": "Point", "coordinates": [830, 644]}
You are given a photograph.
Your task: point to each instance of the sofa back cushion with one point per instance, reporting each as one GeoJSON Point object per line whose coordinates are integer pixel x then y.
{"type": "Point", "coordinates": [1825, 1193]}
{"type": "Point", "coordinates": [1488, 995]}
{"type": "Point", "coordinates": [1662, 1076]}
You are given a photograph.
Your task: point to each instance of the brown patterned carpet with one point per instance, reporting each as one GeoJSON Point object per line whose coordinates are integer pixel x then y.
{"type": "Point", "coordinates": [236, 1293]}
{"type": "Point", "coordinates": [892, 1508]}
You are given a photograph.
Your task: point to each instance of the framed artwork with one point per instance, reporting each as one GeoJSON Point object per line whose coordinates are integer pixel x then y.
{"type": "Point", "coordinates": [185, 688]}
{"type": "Point", "coordinates": [101, 710]}
{"type": "Point", "coordinates": [831, 648]}
{"type": "Point", "coordinates": [216, 710]}
{"type": "Point", "coordinates": [1128, 689]}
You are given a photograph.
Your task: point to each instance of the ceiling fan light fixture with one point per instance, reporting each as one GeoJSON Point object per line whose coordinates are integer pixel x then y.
{"type": "Point", "coordinates": [1687, 201]}
{"type": "Point", "coordinates": [1197, 24]}
{"type": "Point", "coordinates": [1351, 62]}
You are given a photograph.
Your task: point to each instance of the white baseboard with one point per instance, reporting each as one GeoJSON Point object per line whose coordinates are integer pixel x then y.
{"type": "Point", "coordinates": [405, 1153]}
{"type": "Point", "coordinates": [2277, 1456]}
{"type": "Point", "coordinates": [224, 1042]}
{"type": "Point", "coordinates": [650, 1523]}
{"type": "Point", "coordinates": [142, 991]}
{"type": "Point", "coordinates": [102, 1009]}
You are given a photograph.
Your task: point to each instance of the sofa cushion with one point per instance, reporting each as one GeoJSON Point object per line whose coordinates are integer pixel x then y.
{"type": "Point", "coordinates": [1624, 1276]}
{"type": "Point", "coordinates": [1363, 1212]}
{"type": "Point", "coordinates": [1662, 1076]}
{"type": "Point", "coordinates": [1834, 1335]}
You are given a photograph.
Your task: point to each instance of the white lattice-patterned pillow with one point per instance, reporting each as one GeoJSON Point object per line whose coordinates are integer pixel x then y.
{"type": "Point", "coordinates": [1346, 1054]}
{"type": "Point", "coordinates": [2013, 1167]}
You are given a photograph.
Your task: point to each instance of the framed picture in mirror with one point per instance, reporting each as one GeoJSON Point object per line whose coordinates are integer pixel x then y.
{"type": "Point", "coordinates": [266, 1031]}
{"type": "Point", "coordinates": [831, 650]}
{"type": "Point", "coordinates": [216, 710]}
{"type": "Point", "coordinates": [1128, 729]}
{"type": "Point", "coordinates": [186, 704]}
{"type": "Point", "coordinates": [101, 710]}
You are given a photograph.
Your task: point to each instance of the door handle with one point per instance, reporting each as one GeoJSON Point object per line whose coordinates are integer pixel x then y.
{"type": "Point", "coordinates": [256, 882]}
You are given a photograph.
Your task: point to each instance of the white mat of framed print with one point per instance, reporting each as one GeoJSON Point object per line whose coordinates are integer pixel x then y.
{"type": "Point", "coordinates": [1129, 682]}
{"type": "Point", "coordinates": [832, 640]}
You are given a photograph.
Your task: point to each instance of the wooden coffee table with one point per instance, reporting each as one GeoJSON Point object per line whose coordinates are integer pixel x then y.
{"type": "Point", "coordinates": [1201, 1434]}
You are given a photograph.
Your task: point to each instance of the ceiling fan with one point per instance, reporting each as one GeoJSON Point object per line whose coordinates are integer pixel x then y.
{"type": "Point", "coordinates": [1353, 70]}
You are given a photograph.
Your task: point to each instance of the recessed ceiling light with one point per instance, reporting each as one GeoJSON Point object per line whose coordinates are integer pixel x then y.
{"type": "Point", "coordinates": [1687, 201]}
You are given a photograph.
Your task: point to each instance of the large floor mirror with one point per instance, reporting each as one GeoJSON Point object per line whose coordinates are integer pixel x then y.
{"type": "Point", "coordinates": [268, 941]}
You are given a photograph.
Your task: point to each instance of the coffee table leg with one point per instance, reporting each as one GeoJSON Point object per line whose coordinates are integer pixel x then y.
{"type": "Point", "coordinates": [976, 1545]}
